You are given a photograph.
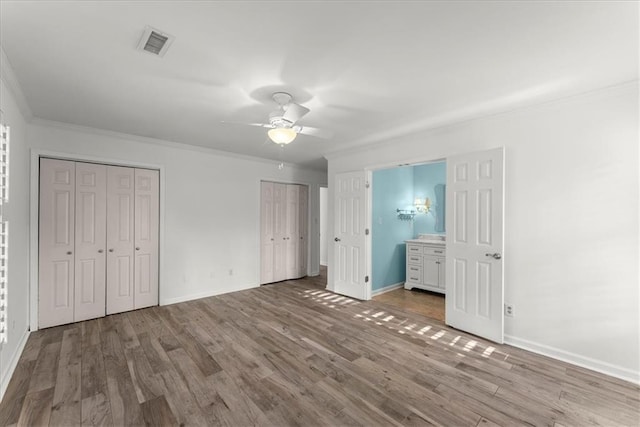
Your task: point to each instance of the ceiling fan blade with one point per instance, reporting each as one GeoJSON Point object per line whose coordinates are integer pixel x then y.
{"type": "Point", "coordinates": [294, 112]}
{"type": "Point", "coordinates": [318, 133]}
{"type": "Point", "coordinates": [262, 125]}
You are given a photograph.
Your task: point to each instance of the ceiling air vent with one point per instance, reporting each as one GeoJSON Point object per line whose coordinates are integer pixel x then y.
{"type": "Point", "coordinates": [155, 41]}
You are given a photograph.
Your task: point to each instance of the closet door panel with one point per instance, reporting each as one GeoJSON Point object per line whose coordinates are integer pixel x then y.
{"type": "Point", "coordinates": [303, 220]}
{"type": "Point", "coordinates": [56, 242]}
{"type": "Point", "coordinates": [279, 232]}
{"type": "Point", "coordinates": [90, 241]}
{"type": "Point", "coordinates": [120, 239]}
{"type": "Point", "coordinates": [266, 232]}
{"type": "Point", "coordinates": [147, 209]}
{"type": "Point", "coordinates": [293, 231]}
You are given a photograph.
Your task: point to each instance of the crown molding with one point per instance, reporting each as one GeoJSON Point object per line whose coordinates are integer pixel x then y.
{"type": "Point", "coordinates": [516, 102]}
{"type": "Point", "coordinates": [155, 141]}
{"type": "Point", "coordinates": [9, 78]}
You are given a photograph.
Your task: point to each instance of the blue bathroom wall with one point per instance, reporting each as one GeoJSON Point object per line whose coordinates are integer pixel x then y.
{"type": "Point", "coordinates": [392, 189]}
{"type": "Point", "coordinates": [429, 181]}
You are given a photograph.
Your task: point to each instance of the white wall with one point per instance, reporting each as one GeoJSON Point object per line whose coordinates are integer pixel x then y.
{"type": "Point", "coordinates": [211, 206]}
{"type": "Point", "coordinates": [17, 213]}
{"type": "Point", "coordinates": [324, 212]}
{"type": "Point", "coordinates": [571, 220]}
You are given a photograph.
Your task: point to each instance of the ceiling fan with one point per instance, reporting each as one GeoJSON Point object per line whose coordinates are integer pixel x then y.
{"type": "Point", "coordinates": [282, 121]}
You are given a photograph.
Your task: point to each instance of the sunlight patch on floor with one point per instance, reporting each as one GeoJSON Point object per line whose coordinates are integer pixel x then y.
{"type": "Point", "coordinates": [402, 325]}
{"type": "Point", "coordinates": [470, 345]}
{"type": "Point", "coordinates": [437, 335]}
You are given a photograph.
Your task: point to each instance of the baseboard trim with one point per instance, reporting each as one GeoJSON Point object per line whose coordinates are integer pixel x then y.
{"type": "Point", "coordinates": [212, 293]}
{"type": "Point", "coordinates": [386, 289]}
{"type": "Point", "coordinates": [14, 362]}
{"type": "Point", "coordinates": [575, 359]}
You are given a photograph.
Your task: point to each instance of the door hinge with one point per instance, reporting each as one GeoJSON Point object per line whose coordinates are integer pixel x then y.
{"type": "Point", "coordinates": [366, 231]}
{"type": "Point", "coordinates": [366, 184]}
{"type": "Point", "coordinates": [366, 279]}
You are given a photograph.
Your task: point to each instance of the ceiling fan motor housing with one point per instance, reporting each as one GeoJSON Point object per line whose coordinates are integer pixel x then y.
{"type": "Point", "coordinates": [282, 98]}
{"type": "Point", "coordinates": [277, 120]}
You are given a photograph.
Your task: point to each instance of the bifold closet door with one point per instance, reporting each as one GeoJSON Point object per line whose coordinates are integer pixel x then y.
{"type": "Point", "coordinates": [120, 239]}
{"type": "Point", "coordinates": [146, 228]}
{"type": "Point", "coordinates": [293, 231]}
{"type": "Point", "coordinates": [90, 241]}
{"type": "Point", "coordinates": [267, 238]}
{"type": "Point", "coordinates": [303, 225]}
{"type": "Point", "coordinates": [283, 231]}
{"type": "Point", "coordinates": [56, 242]}
{"type": "Point", "coordinates": [279, 232]}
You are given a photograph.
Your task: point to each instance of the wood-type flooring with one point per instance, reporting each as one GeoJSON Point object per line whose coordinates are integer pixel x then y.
{"type": "Point", "coordinates": [429, 304]}
{"type": "Point", "coordinates": [293, 354]}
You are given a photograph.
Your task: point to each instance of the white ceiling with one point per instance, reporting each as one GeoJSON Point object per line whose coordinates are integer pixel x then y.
{"type": "Point", "coordinates": [367, 70]}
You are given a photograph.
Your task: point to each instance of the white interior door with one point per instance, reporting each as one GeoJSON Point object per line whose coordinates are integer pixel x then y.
{"type": "Point", "coordinates": [90, 240]}
{"type": "Point", "coordinates": [474, 221]}
{"type": "Point", "coordinates": [266, 232]}
{"type": "Point", "coordinates": [279, 232]}
{"type": "Point", "coordinates": [147, 209]}
{"type": "Point", "coordinates": [303, 225]}
{"type": "Point", "coordinates": [120, 239]}
{"type": "Point", "coordinates": [292, 237]}
{"type": "Point", "coordinates": [56, 242]}
{"type": "Point", "coordinates": [349, 229]}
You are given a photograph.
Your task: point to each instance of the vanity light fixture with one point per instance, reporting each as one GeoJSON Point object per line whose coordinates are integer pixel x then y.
{"type": "Point", "coordinates": [282, 135]}
{"type": "Point", "coordinates": [422, 206]}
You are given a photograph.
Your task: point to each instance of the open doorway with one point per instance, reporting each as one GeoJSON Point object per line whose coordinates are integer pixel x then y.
{"type": "Point", "coordinates": [324, 209]}
{"type": "Point", "coordinates": [473, 252]}
{"type": "Point", "coordinates": [408, 237]}
{"type": "Point", "coordinates": [324, 237]}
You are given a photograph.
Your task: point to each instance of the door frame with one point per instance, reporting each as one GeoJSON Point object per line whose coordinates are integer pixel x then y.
{"type": "Point", "coordinates": [369, 208]}
{"type": "Point", "coordinates": [34, 210]}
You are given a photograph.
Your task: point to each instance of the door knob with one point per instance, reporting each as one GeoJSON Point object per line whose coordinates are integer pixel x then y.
{"type": "Point", "coordinates": [110, 250]}
{"type": "Point", "coordinates": [69, 252]}
{"type": "Point", "coordinates": [137, 248]}
{"type": "Point", "coordinates": [495, 256]}
{"type": "Point", "coordinates": [100, 251]}
{"type": "Point", "coordinates": [336, 239]}
{"type": "Point", "coordinates": [272, 239]}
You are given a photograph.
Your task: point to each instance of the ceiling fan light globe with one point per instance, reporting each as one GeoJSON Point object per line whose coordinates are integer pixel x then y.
{"type": "Point", "coordinates": [282, 135]}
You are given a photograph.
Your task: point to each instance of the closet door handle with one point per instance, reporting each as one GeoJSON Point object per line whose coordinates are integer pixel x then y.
{"type": "Point", "coordinates": [137, 248]}
{"type": "Point", "coordinates": [110, 250]}
{"type": "Point", "coordinates": [100, 251]}
{"type": "Point", "coordinates": [336, 239]}
{"type": "Point", "coordinates": [69, 252]}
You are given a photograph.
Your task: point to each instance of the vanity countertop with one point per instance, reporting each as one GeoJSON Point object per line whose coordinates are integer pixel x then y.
{"type": "Point", "coordinates": [427, 242]}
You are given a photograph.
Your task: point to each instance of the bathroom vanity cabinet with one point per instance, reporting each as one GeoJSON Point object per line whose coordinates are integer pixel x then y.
{"type": "Point", "coordinates": [425, 265]}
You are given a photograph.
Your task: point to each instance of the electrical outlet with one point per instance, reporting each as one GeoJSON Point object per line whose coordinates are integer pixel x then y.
{"type": "Point", "coordinates": [508, 310]}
